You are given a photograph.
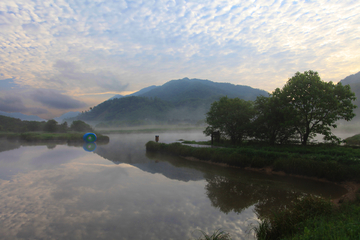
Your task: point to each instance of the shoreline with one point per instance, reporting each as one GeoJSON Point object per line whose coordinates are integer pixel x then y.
{"type": "Point", "coordinates": [51, 137]}
{"type": "Point", "coordinates": [352, 187]}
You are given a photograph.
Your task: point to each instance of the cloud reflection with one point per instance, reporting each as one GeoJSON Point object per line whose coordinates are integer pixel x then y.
{"type": "Point", "coordinates": [80, 199]}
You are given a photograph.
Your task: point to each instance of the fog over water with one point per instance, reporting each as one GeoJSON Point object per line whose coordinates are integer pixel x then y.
{"type": "Point", "coordinates": [121, 192]}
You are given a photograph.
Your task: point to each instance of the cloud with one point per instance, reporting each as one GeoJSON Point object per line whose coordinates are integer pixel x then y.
{"type": "Point", "coordinates": [11, 104]}
{"type": "Point", "coordinates": [54, 99]}
{"type": "Point", "coordinates": [70, 194]}
{"type": "Point", "coordinates": [97, 46]}
{"type": "Point", "coordinates": [70, 74]}
{"type": "Point", "coordinates": [37, 111]}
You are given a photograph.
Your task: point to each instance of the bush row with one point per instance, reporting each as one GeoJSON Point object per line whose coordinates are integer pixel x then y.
{"type": "Point", "coordinates": [312, 165]}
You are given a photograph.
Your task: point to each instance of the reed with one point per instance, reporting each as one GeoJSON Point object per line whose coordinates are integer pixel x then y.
{"type": "Point", "coordinates": [217, 235]}
{"type": "Point", "coordinates": [290, 221]}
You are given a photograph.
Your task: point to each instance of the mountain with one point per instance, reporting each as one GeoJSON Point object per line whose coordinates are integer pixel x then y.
{"type": "Point", "coordinates": [177, 101]}
{"type": "Point", "coordinates": [22, 116]}
{"type": "Point", "coordinates": [352, 79]}
{"type": "Point", "coordinates": [135, 110]}
{"type": "Point", "coordinates": [142, 91]}
{"type": "Point", "coordinates": [66, 115]}
{"type": "Point", "coordinates": [116, 96]}
{"type": "Point", "coordinates": [354, 82]}
{"type": "Point", "coordinates": [179, 90]}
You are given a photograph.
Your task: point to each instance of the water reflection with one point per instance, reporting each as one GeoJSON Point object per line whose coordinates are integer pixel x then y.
{"type": "Point", "coordinates": [89, 147]}
{"type": "Point", "coordinates": [234, 190]}
{"type": "Point", "coordinates": [121, 192]}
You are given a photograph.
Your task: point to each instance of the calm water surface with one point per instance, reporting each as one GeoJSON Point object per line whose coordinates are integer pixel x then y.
{"type": "Point", "coordinates": [121, 192]}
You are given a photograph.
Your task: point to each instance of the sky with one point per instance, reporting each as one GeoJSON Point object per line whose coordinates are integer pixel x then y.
{"type": "Point", "coordinates": [68, 55]}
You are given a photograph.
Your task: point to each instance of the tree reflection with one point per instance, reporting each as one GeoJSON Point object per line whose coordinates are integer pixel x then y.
{"type": "Point", "coordinates": [231, 189]}
{"type": "Point", "coordinates": [231, 194]}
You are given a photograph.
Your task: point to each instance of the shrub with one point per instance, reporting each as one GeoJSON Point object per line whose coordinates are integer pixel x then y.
{"type": "Point", "coordinates": [288, 221]}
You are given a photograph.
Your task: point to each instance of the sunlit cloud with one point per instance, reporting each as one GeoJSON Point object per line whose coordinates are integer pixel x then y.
{"type": "Point", "coordinates": [113, 46]}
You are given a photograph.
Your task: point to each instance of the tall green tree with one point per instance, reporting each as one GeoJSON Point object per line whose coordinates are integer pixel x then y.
{"type": "Point", "coordinates": [315, 105]}
{"type": "Point", "coordinates": [231, 117]}
{"type": "Point", "coordinates": [51, 126]}
{"type": "Point", "coordinates": [272, 121]}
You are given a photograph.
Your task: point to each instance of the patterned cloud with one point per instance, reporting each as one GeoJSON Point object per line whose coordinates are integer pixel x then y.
{"type": "Point", "coordinates": [91, 47]}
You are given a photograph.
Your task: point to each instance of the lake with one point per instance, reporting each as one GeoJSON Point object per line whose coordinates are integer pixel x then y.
{"type": "Point", "coordinates": [118, 191]}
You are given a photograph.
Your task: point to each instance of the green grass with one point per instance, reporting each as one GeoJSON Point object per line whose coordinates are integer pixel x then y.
{"type": "Point", "coordinates": [335, 163]}
{"type": "Point", "coordinates": [290, 220]}
{"type": "Point", "coordinates": [312, 218]}
{"type": "Point", "coordinates": [147, 129]}
{"type": "Point", "coordinates": [195, 142]}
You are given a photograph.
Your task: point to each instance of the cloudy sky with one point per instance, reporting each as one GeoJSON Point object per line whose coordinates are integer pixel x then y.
{"type": "Point", "coordinates": [65, 55]}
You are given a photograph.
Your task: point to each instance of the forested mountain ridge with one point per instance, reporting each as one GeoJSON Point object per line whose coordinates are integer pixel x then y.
{"type": "Point", "coordinates": [354, 82]}
{"type": "Point", "coordinates": [134, 109]}
{"type": "Point", "coordinates": [183, 100]}
{"type": "Point", "coordinates": [180, 90]}
{"type": "Point", "coordinates": [22, 116]}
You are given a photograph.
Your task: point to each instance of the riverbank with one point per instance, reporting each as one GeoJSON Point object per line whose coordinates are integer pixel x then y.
{"type": "Point", "coordinates": [312, 218]}
{"type": "Point", "coordinates": [351, 187]}
{"type": "Point", "coordinates": [333, 163]}
{"type": "Point", "coordinates": [45, 136]}
{"type": "Point", "coordinates": [148, 129]}
{"type": "Point", "coordinates": [309, 218]}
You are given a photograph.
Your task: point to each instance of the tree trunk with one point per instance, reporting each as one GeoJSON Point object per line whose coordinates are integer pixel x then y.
{"type": "Point", "coordinates": [305, 138]}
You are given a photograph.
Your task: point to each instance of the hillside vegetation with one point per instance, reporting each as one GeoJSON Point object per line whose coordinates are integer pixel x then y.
{"type": "Point", "coordinates": [354, 82]}
{"type": "Point", "coordinates": [177, 101]}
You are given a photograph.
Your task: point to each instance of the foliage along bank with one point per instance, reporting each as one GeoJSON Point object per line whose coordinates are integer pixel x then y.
{"type": "Point", "coordinates": [13, 128]}
{"type": "Point", "coordinates": [304, 107]}
{"type": "Point", "coordinates": [333, 163]}
{"type": "Point", "coordinates": [312, 218]}
{"type": "Point", "coordinates": [43, 136]}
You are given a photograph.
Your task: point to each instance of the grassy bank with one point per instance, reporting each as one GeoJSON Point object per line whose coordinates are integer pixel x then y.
{"type": "Point", "coordinates": [307, 218]}
{"type": "Point", "coordinates": [147, 129]}
{"type": "Point", "coordinates": [44, 136]}
{"type": "Point", "coordinates": [312, 218]}
{"type": "Point", "coordinates": [334, 163]}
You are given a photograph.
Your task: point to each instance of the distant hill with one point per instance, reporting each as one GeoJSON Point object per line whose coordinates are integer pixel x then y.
{"type": "Point", "coordinates": [116, 96]}
{"type": "Point", "coordinates": [22, 116]}
{"type": "Point", "coordinates": [354, 82]}
{"type": "Point", "coordinates": [142, 91]}
{"type": "Point", "coordinates": [180, 90]}
{"type": "Point", "coordinates": [66, 116]}
{"type": "Point", "coordinates": [352, 79]}
{"type": "Point", "coordinates": [177, 101]}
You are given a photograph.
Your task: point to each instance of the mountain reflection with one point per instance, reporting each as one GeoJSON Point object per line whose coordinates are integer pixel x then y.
{"type": "Point", "coordinates": [119, 191]}
{"type": "Point", "coordinates": [228, 189]}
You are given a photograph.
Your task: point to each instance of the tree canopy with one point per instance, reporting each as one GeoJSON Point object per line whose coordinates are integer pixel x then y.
{"type": "Point", "coordinates": [231, 117]}
{"type": "Point", "coordinates": [315, 105]}
{"type": "Point", "coordinates": [271, 122]}
{"type": "Point", "coordinates": [304, 107]}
